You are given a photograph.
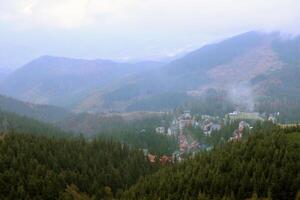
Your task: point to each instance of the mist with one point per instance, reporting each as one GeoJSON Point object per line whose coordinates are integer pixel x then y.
{"type": "Point", "coordinates": [242, 96]}
{"type": "Point", "coordinates": [132, 30]}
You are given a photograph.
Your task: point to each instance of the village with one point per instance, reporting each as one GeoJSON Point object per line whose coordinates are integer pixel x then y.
{"type": "Point", "coordinates": [189, 145]}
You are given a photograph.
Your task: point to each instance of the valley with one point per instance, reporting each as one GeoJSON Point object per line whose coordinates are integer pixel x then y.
{"type": "Point", "coordinates": [219, 122]}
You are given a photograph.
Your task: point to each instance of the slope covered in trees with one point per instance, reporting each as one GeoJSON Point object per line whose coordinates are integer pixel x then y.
{"type": "Point", "coordinates": [137, 130]}
{"type": "Point", "coordinates": [39, 167]}
{"type": "Point", "coordinates": [10, 122]}
{"type": "Point", "coordinates": [155, 143]}
{"type": "Point", "coordinates": [43, 113]}
{"type": "Point", "coordinates": [267, 165]}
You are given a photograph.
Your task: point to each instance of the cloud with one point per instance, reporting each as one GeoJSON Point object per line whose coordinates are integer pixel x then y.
{"type": "Point", "coordinates": [137, 29]}
{"type": "Point", "coordinates": [63, 14]}
{"type": "Point", "coordinates": [215, 15]}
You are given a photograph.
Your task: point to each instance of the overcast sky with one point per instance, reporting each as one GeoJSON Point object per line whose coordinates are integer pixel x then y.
{"type": "Point", "coordinates": [131, 29]}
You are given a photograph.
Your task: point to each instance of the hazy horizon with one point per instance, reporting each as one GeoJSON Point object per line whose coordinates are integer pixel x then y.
{"type": "Point", "coordinates": [131, 30]}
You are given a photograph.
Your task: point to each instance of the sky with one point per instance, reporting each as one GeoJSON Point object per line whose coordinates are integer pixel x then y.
{"type": "Point", "coordinates": [131, 30]}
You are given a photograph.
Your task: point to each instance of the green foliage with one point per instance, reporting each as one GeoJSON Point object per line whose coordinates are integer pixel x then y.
{"type": "Point", "coordinates": [265, 165]}
{"type": "Point", "coordinates": [196, 133]}
{"type": "Point", "coordinates": [155, 143]}
{"type": "Point", "coordinates": [10, 122]}
{"type": "Point", "coordinates": [222, 135]}
{"type": "Point", "coordinates": [43, 113]}
{"type": "Point", "coordinates": [91, 124]}
{"type": "Point", "coordinates": [137, 133]}
{"type": "Point", "coordinates": [39, 167]}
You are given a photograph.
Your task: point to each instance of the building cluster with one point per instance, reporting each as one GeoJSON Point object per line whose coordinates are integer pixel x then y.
{"type": "Point", "coordinates": [185, 120]}
{"type": "Point", "coordinates": [183, 144]}
{"type": "Point", "coordinates": [208, 124]}
{"type": "Point", "coordinates": [250, 117]}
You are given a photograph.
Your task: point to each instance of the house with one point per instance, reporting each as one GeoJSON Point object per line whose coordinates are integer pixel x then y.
{"type": "Point", "coordinates": [169, 132]}
{"type": "Point", "coordinates": [238, 133]}
{"type": "Point", "coordinates": [273, 118]}
{"type": "Point", "coordinates": [208, 128]}
{"type": "Point", "coordinates": [160, 130]}
{"type": "Point", "coordinates": [242, 126]}
{"type": "Point", "coordinates": [187, 114]}
{"type": "Point", "coordinates": [165, 159]}
{"type": "Point", "coordinates": [185, 120]}
{"type": "Point", "coordinates": [196, 124]}
{"type": "Point", "coordinates": [152, 158]}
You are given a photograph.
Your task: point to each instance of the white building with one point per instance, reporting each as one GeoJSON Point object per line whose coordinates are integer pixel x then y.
{"type": "Point", "coordinates": [160, 130]}
{"type": "Point", "coordinates": [169, 132]}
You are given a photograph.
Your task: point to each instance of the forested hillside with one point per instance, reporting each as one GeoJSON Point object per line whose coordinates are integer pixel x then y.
{"type": "Point", "coordinates": [91, 124]}
{"type": "Point", "coordinates": [43, 113]}
{"type": "Point", "coordinates": [40, 161]}
{"type": "Point", "coordinates": [267, 165]}
{"type": "Point", "coordinates": [39, 167]}
{"type": "Point", "coordinates": [157, 144]}
{"type": "Point", "coordinates": [134, 129]}
{"type": "Point", "coordinates": [10, 122]}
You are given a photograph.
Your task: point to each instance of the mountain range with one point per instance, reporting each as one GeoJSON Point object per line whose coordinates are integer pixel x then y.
{"type": "Point", "coordinates": [257, 70]}
{"type": "Point", "coordinates": [64, 81]}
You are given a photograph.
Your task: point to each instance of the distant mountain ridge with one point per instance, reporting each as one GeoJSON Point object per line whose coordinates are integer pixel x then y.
{"type": "Point", "coordinates": [64, 81]}
{"type": "Point", "coordinates": [223, 65]}
{"type": "Point", "coordinates": [249, 67]}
